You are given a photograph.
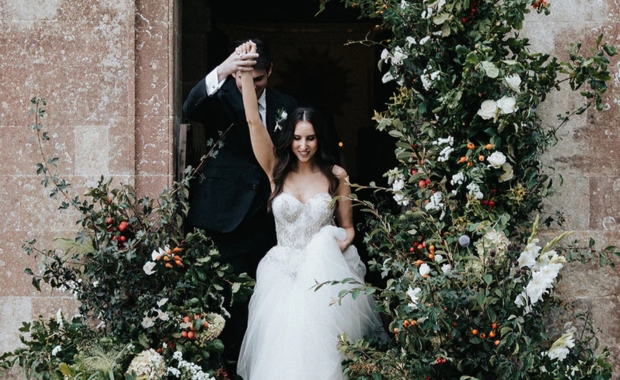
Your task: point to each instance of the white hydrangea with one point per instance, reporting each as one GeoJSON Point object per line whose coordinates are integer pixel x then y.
{"type": "Point", "coordinates": [457, 179]}
{"type": "Point", "coordinates": [148, 365]}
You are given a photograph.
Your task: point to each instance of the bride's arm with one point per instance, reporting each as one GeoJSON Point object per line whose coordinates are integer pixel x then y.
{"type": "Point", "coordinates": [344, 212]}
{"type": "Point", "coordinates": [261, 141]}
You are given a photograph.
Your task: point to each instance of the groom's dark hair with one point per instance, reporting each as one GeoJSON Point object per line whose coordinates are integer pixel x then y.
{"type": "Point", "coordinates": [263, 62]}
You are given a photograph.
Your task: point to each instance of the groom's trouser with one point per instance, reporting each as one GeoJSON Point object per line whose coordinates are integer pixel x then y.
{"type": "Point", "coordinates": [243, 248]}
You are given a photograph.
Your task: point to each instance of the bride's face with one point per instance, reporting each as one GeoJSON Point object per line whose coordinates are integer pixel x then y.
{"type": "Point", "coordinates": [304, 141]}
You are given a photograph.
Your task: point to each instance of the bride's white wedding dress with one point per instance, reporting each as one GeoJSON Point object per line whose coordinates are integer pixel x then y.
{"type": "Point", "coordinates": [292, 329]}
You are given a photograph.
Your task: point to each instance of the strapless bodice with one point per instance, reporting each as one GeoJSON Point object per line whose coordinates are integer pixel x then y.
{"type": "Point", "coordinates": [297, 222]}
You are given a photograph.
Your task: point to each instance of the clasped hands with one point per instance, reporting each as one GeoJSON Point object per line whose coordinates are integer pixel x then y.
{"type": "Point", "coordinates": [241, 60]}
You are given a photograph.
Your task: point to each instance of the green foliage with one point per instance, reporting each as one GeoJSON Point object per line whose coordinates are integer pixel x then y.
{"type": "Point", "coordinates": [139, 277]}
{"type": "Point", "coordinates": [467, 287]}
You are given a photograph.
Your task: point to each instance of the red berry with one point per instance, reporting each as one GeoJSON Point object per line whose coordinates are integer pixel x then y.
{"type": "Point", "coordinates": [109, 220]}
{"type": "Point", "coordinates": [422, 183]}
{"type": "Point", "coordinates": [122, 226]}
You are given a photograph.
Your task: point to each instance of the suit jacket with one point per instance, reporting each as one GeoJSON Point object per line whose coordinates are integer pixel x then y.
{"type": "Point", "coordinates": [234, 186]}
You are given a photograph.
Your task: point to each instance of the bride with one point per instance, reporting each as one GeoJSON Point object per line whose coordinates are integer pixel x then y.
{"type": "Point", "coordinates": [293, 331]}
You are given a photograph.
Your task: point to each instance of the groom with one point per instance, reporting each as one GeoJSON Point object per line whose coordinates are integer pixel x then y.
{"type": "Point", "coordinates": [230, 201]}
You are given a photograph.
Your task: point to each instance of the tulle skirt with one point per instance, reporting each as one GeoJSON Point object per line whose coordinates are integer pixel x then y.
{"type": "Point", "coordinates": [293, 332]}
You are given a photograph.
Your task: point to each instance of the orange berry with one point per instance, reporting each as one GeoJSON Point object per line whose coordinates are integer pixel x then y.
{"type": "Point", "coordinates": [419, 262]}
{"type": "Point", "coordinates": [205, 325]}
{"type": "Point", "coordinates": [494, 325]}
{"type": "Point", "coordinates": [431, 256]}
{"type": "Point", "coordinates": [168, 265]}
{"type": "Point", "coordinates": [480, 158]}
{"type": "Point", "coordinates": [191, 335]}
{"type": "Point", "coordinates": [488, 146]}
{"type": "Point", "coordinates": [432, 248]}
{"type": "Point", "coordinates": [167, 258]}
{"type": "Point", "coordinates": [196, 317]}
{"type": "Point", "coordinates": [176, 250]}
{"type": "Point", "coordinates": [497, 342]}
{"type": "Point", "coordinates": [179, 263]}
{"type": "Point", "coordinates": [492, 334]}
{"type": "Point", "coordinates": [462, 159]}
{"type": "Point", "coordinates": [184, 334]}
{"type": "Point", "coordinates": [483, 336]}
{"type": "Point", "coordinates": [470, 145]}
{"type": "Point", "coordinates": [474, 332]}
{"type": "Point", "coordinates": [406, 323]}
{"type": "Point", "coordinates": [186, 319]}
{"type": "Point", "coordinates": [395, 330]}
{"type": "Point", "coordinates": [177, 257]}
{"type": "Point", "coordinates": [470, 164]}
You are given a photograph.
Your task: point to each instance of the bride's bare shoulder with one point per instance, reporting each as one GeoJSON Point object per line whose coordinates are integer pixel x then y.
{"type": "Point", "coordinates": [339, 172]}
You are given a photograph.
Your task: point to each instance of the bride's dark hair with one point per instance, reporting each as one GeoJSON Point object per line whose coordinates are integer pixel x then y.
{"type": "Point", "coordinates": [324, 157]}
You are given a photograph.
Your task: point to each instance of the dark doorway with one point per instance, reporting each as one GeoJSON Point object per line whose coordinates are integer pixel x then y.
{"type": "Point", "coordinates": [313, 61]}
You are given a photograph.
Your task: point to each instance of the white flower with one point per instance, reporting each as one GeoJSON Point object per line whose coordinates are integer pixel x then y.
{"type": "Point", "coordinates": [488, 109]}
{"type": "Point", "coordinates": [438, 258]}
{"type": "Point", "coordinates": [428, 80]}
{"type": "Point", "coordinates": [414, 296]}
{"type": "Point", "coordinates": [400, 199]}
{"type": "Point", "coordinates": [403, 4]}
{"type": "Point", "coordinates": [59, 318]}
{"type": "Point", "coordinates": [425, 39]}
{"type": "Point", "coordinates": [457, 179]}
{"type": "Point", "coordinates": [446, 268]}
{"type": "Point", "coordinates": [529, 255]}
{"type": "Point", "coordinates": [387, 77]}
{"type": "Point", "coordinates": [497, 159]}
{"type": "Point", "coordinates": [158, 253]}
{"type": "Point", "coordinates": [435, 202]}
{"type": "Point", "coordinates": [56, 350]}
{"type": "Point", "coordinates": [513, 81]}
{"type": "Point", "coordinates": [559, 348]}
{"type": "Point", "coordinates": [424, 269]}
{"type": "Point", "coordinates": [444, 155]}
{"type": "Point", "coordinates": [508, 173]}
{"type": "Point", "coordinates": [148, 268]}
{"type": "Point", "coordinates": [148, 322]}
{"type": "Point", "coordinates": [148, 365]}
{"type": "Point", "coordinates": [385, 55]}
{"type": "Point", "coordinates": [474, 190]}
{"type": "Point", "coordinates": [398, 185]}
{"type": "Point", "coordinates": [95, 283]}
{"type": "Point", "coordinates": [162, 315]}
{"type": "Point", "coordinates": [162, 302]}
{"type": "Point", "coordinates": [398, 57]}
{"type": "Point", "coordinates": [428, 13]}
{"type": "Point", "coordinates": [410, 41]}
{"type": "Point", "coordinates": [507, 104]}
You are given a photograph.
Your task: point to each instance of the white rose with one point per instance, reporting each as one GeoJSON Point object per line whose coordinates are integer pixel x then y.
{"type": "Point", "coordinates": [508, 173]}
{"type": "Point", "coordinates": [147, 322]}
{"type": "Point", "coordinates": [148, 268]}
{"type": "Point", "coordinates": [507, 104]}
{"type": "Point", "coordinates": [513, 81]}
{"type": "Point", "coordinates": [424, 269]}
{"type": "Point", "coordinates": [488, 109]}
{"type": "Point", "coordinates": [497, 159]}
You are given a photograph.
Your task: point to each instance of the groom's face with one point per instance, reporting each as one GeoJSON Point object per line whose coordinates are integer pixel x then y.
{"type": "Point", "coordinates": [260, 76]}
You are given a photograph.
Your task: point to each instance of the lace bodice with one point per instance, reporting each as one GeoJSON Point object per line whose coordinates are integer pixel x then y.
{"type": "Point", "coordinates": [297, 222]}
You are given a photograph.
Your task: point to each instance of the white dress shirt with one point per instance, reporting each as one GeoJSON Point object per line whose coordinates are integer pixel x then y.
{"type": "Point", "coordinates": [213, 85]}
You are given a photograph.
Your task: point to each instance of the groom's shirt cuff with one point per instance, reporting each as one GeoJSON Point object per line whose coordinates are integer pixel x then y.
{"type": "Point", "coordinates": [212, 83]}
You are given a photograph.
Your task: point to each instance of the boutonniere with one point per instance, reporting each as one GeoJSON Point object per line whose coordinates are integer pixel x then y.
{"type": "Point", "coordinates": [281, 115]}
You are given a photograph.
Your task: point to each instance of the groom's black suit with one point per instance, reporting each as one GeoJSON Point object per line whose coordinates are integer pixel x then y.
{"type": "Point", "coordinates": [230, 202]}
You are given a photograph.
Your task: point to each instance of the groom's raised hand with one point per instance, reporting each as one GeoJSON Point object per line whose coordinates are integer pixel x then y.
{"type": "Point", "coordinates": [236, 62]}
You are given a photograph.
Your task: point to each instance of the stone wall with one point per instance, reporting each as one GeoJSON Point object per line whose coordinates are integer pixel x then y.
{"type": "Point", "coordinates": [107, 70]}
{"type": "Point", "coordinates": [110, 73]}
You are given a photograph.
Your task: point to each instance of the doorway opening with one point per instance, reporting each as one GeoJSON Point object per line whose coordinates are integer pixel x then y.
{"type": "Point", "coordinates": [314, 62]}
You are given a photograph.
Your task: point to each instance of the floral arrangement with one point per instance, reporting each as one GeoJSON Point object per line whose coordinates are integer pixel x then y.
{"type": "Point", "coordinates": [281, 116]}
{"type": "Point", "coordinates": [467, 286]}
{"type": "Point", "coordinates": [148, 291]}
